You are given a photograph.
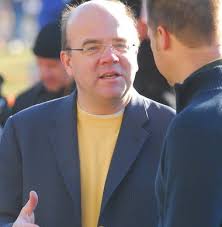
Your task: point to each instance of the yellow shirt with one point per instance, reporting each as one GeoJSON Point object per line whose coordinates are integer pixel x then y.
{"type": "Point", "coordinates": [97, 137]}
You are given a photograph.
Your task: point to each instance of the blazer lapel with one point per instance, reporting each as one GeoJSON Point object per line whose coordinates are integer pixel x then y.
{"type": "Point", "coordinates": [65, 144]}
{"type": "Point", "coordinates": [129, 143]}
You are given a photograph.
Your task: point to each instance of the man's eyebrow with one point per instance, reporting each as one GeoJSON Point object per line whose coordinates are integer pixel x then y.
{"type": "Point", "coordinates": [119, 40]}
{"type": "Point", "coordinates": [97, 41]}
{"type": "Point", "coordinates": [91, 41]}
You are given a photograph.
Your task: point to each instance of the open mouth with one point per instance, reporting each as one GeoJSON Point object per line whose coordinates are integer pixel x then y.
{"type": "Point", "coordinates": [109, 76]}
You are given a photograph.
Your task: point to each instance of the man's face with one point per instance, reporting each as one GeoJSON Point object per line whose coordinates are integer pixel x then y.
{"type": "Point", "coordinates": [52, 74]}
{"type": "Point", "coordinates": [102, 74]}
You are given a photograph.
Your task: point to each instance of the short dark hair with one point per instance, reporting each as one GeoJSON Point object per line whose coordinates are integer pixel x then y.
{"type": "Point", "coordinates": [193, 22]}
{"type": "Point", "coordinates": [64, 20]}
{"type": "Point", "coordinates": [68, 11]}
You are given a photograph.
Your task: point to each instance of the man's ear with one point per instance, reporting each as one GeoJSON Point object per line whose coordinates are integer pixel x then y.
{"type": "Point", "coordinates": [65, 58]}
{"type": "Point", "coordinates": [163, 38]}
{"type": "Point", "coordinates": [142, 29]}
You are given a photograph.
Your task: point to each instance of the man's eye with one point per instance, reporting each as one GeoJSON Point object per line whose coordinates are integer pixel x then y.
{"type": "Point", "coordinates": [92, 48]}
{"type": "Point", "coordinates": [120, 46]}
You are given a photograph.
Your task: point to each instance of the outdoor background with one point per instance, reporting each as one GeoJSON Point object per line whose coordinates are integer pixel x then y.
{"type": "Point", "coordinates": [18, 30]}
{"type": "Point", "coordinates": [15, 69]}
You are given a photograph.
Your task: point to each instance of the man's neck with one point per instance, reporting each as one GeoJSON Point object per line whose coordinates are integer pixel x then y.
{"type": "Point", "coordinates": [194, 59]}
{"type": "Point", "coordinates": [104, 106]}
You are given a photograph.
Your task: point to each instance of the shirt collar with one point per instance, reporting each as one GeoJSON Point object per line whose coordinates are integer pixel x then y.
{"type": "Point", "coordinates": [205, 78]}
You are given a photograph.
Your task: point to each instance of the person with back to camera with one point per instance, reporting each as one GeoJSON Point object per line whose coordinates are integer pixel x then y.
{"type": "Point", "coordinates": [189, 180]}
{"type": "Point", "coordinates": [90, 157]}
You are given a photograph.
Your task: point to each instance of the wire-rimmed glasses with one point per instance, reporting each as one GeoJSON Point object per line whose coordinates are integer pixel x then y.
{"type": "Point", "coordinates": [90, 49]}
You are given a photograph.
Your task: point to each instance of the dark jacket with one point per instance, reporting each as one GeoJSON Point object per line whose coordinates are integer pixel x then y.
{"type": "Point", "coordinates": [39, 151]}
{"type": "Point", "coordinates": [37, 94]}
{"type": "Point", "coordinates": [4, 110]}
{"type": "Point", "coordinates": [189, 181]}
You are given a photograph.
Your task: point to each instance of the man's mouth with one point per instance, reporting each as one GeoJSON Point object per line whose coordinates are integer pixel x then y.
{"type": "Point", "coordinates": [109, 75]}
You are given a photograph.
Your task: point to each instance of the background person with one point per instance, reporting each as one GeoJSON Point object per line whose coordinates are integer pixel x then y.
{"type": "Point", "coordinates": [4, 108]}
{"type": "Point", "coordinates": [50, 13]}
{"type": "Point", "coordinates": [148, 81]}
{"type": "Point", "coordinates": [54, 81]}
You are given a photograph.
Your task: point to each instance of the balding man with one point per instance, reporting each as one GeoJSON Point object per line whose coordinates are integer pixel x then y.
{"type": "Point", "coordinates": [90, 157]}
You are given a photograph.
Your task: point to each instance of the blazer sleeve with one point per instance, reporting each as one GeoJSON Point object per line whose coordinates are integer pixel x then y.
{"type": "Point", "coordinates": [10, 176]}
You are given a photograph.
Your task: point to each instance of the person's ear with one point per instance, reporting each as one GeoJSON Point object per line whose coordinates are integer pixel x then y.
{"type": "Point", "coordinates": [163, 38]}
{"type": "Point", "coordinates": [65, 58]}
{"type": "Point", "coordinates": [142, 29]}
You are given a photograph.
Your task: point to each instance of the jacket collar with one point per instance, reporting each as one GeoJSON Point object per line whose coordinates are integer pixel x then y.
{"type": "Point", "coordinates": [206, 78]}
{"type": "Point", "coordinates": [133, 133]}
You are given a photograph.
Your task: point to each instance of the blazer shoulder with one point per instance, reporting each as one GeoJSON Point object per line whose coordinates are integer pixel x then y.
{"type": "Point", "coordinates": [45, 111]}
{"type": "Point", "coordinates": [154, 107]}
{"type": "Point", "coordinates": [159, 116]}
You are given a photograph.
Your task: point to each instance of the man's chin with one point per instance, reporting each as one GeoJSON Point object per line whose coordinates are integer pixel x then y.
{"type": "Point", "coordinates": [53, 89]}
{"type": "Point", "coordinates": [171, 83]}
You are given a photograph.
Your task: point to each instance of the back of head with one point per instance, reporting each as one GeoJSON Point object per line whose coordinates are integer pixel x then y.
{"type": "Point", "coordinates": [193, 22]}
{"type": "Point", "coordinates": [48, 42]}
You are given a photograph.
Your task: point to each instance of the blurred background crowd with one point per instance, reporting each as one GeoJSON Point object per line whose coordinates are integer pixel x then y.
{"type": "Point", "coordinates": [21, 20]}
{"type": "Point", "coordinates": [29, 53]}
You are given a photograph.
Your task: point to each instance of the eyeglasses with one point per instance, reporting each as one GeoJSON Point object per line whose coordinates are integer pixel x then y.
{"type": "Point", "coordinates": [99, 48]}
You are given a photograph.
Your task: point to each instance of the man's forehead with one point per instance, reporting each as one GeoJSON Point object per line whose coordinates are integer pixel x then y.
{"type": "Point", "coordinates": [98, 7]}
{"type": "Point", "coordinates": [97, 21]}
{"type": "Point", "coordinates": [108, 5]}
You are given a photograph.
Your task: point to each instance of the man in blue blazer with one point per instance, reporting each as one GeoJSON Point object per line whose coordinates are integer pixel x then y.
{"type": "Point", "coordinates": [189, 179]}
{"type": "Point", "coordinates": [90, 157]}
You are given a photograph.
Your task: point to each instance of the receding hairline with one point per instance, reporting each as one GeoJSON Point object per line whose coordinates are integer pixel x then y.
{"type": "Point", "coordinates": [112, 7]}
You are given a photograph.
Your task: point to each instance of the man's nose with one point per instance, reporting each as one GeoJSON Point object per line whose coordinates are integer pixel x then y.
{"type": "Point", "coordinates": [108, 55]}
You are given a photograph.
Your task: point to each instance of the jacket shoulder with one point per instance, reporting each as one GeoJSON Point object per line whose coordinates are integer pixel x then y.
{"type": "Point", "coordinates": [44, 111]}
{"type": "Point", "coordinates": [154, 107]}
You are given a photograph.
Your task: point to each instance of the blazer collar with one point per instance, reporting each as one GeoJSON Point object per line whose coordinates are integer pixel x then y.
{"type": "Point", "coordinates": [133, 133]}
{"type": "Point", "coordinates": [65, 145]}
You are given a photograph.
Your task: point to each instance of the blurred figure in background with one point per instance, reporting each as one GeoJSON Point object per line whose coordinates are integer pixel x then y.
{"type": "Point", "coordinates": [54, 82]}
{"type": "Point", "coordinates": [23, 24]}
{"type": "Point", "coordinates": [149, 82]}
{"type": "Point", "coordinates": [17, 6]}
{"type": "Point", "coordinates": [4, 109]}
{"type": "Point", "coordinates": [50, 12]}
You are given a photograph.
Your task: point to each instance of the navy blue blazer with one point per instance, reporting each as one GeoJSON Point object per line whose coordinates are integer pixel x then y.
{"type": "Point", "coordinates": [39, 151]}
